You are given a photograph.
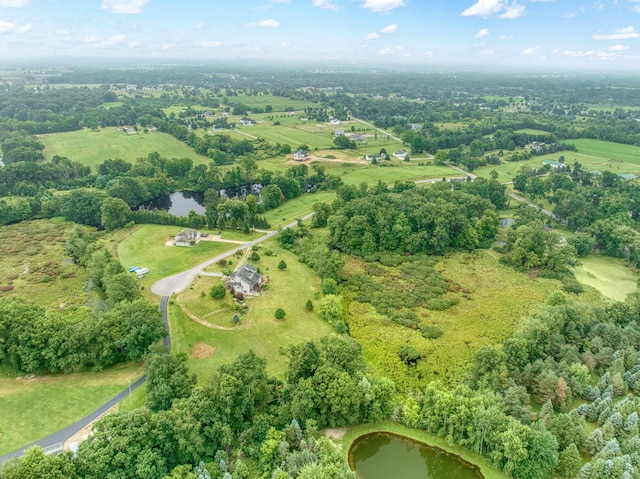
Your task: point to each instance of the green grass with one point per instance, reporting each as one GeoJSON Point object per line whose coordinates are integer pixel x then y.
{"type": "Point", "coordinates": [278, 103]}
{"type": "Point", "coordinates": [32, 407]}
{"type": "Point", "coordinates": [532, 131]}
{"type": "Point", "coordinates": [296, 208]}
{"type": "Point", "coordinates": [591, 154]}
{"type": "Point", "coordinates": [486, 314]}
{"type": "Point", "coordinates": [145, 247]}
{"type": "Point", "coordinates": [91, 147]}
{"type": "Point", "coordinates": [487, 470]}
{"type": "Point", "coordinates": [259, 330]}
{"type": "Point", "coordinates": [610, 276]}
{"type": "Point", "coordinates": [354, 174]}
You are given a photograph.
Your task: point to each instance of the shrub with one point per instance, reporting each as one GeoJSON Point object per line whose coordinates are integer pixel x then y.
{"type": "Point", "coordinates": [280, 314]}
{"type": "Point", "coordinates": [254, 256]}
{"type": "Point", "coordinates": [309, 305]}
{"type": "Point", "coordinates": [572, 286]}
{"type": "Point", "coordinates": [282, 265]}
{"type": "Point", "coordinates": [430, 332]}
{"type": "Point", "coordinates": [218, 291]}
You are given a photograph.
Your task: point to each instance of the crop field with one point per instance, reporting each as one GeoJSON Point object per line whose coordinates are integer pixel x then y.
{"type": "Point", "coordinates": [91, 147]}
{"type": "Point", "coordinates": [61, 399]}
{"type": "Point", "coordinates": [145, 247]}
{"type": "Point", "coordinates": [486, 315]}
{"type": "Point", "coordinates": [610, 276]}
{"type": "Point", "coordinates": [258, 329]}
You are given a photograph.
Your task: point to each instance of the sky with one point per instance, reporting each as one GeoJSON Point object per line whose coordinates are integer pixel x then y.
{"type": "Point", "coordinates": [548, 35]}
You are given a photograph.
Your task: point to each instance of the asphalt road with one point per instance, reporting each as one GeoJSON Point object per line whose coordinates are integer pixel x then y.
{"type": "Point", "coordinates": [165, 288]}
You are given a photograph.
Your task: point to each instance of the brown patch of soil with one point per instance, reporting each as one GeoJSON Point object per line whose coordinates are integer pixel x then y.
{"type": "Point", "coordinates": [335, 433]}
{"type": "Point", "coordinates": [201, 351]}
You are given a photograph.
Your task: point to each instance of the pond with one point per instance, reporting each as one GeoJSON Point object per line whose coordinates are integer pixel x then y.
{"type": "Point", "coordinates": [384, 455]}
{"type": "Point", "coordinates": [178, 203]}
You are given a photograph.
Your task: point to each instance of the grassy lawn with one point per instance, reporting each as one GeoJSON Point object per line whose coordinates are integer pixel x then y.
{"type": "Point", "coordinates": [532, 131]}
{"type": "Point", "coordinates": [91, 147]}
{"type": "Point", "coordinates": [145, 247]}
{"type": "Point", "coordinates": [414, 170]}
{"type": "Point", "coordinates": [486, 314]}
{"type": "Point", "coordinates": [279, 103]}
{"type": "Point", "coordinates": [296, 208]}
{"type": "Point", "coordinates": [258, 330]}
{"type": "Point", "coordinates": [32, 407]}
{"type": "Point", "coordinates": [610, 276]}
{"type": "Point", "coordinates": [488, 471]}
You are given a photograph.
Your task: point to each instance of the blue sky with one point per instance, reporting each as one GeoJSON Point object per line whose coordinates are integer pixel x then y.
{"type": "Point", "coordinates": [543, 34]}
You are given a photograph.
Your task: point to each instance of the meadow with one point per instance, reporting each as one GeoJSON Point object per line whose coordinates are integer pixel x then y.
{"type": "Point", "coordinates": [486, 315]}
{"type": "Point", "coordinates": [258, 329]}
{"type": "Point", "coordinates": [91, 147]}
{"type": "Point", "coordinates": [610, 276]}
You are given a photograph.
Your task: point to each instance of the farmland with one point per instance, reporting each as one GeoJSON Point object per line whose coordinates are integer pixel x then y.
{"type": "Point", "coordinates": [91, 147]}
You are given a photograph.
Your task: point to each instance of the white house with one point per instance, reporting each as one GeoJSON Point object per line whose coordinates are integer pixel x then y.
{"type": "Point", "coordinates": [186, 237]}
{"type": "Point", "coordinates": [245, 280]}
{"type": "Point", "coordinates": [339, 132]}
{"type": "Point", "coordinates": [247, 121]}
{"type": "Point", "coordinates": [400, 154]}
{"type": "Point", "coordinates": [300, 155]}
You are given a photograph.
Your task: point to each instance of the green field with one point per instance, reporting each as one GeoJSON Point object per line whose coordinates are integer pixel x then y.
{"type": "Point", "coordinates": [91, 147]}
{"type": "Point", "coordinates": [296, 208]}
{"type": "Point", "coordinates": [532, 131]}
{"type": "Point", "coordinates": [610, 276]}
{"type": "Point", "coordinates": [591, 154]}
{"type": "Point", "coordinates": [32, 407]}
{"type": "Point", "coordinates": [258, 330]}
{"type": "Point", "coordinates": [278, 103]}
{"type": "Point", "coordinates": [145, 247]}
{"type": "Point", "coordinates": [486, 315]}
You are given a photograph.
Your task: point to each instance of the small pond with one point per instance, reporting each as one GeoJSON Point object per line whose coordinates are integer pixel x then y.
{"type": "Point", "coordinates": [384, 456]}
{"type": "Point", "coordinates": [178, 203]}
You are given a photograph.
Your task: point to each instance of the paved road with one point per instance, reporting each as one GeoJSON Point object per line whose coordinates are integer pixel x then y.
{"type": "Point", "coordinates": [58, 438]}
{"type": "Point", "coordinates": [181, 281]}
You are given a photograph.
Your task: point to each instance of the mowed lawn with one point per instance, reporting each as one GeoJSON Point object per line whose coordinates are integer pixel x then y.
{"type": "Point", "coordinates": [296, 208]}
{"type": "Point", "coordinates": [591, 154]}
{"type": "Point", "coordinates": [91, 147]}
{"type": "Point", "coordinates": [290, 289]}
{"type": "Point", "coordinates": [32, 407]}
{"type": "Point", "coordinates": [145, 247]}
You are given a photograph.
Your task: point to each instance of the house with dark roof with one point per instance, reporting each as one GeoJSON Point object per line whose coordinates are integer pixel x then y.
{"type": "Point", "coordinates": [186, 237]}
{"type": "Point", "coordinates": [246, 121]}
{"type": "Point", "coordinates": [300, 155]}
{"type": "Point", "coordinates": [245, 280]}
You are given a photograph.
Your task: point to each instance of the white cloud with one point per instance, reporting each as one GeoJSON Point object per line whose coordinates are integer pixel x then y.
{"type": "Point", "coordinates": [280, 1]}
{"type": "Point", "coordinates": [428, 54]}
{"type": "Point", "coordinates": [90, 39]}
{"type": "Point", "coordinates": [134, 44]}
{"type": "Point", "coordinates": [199, 25]}
{"type": "Point", "coordinates": [569, 14]}
{"type": "Point", "coordinates": [114, 40]}
{"type": "Point", "coordinates": [481, 33]}
{"type": "Point", "coordinates": [372, 36]}
{"type": "Point", "coordinates": [124, 6]}
{"type": "Point", "coordinates": [617, 48]}
{"type": "Point", "coordinates": [13, 3]}
{"type": "Point", "coordinates": [487, 8]}
{"type": "Point", "coordinates": [285, 44]}
{"type": "Point", "coordinates": [63, 32]}
{"type": "Point", "coordinates": [512, 12]}
{"type": "Point", "coordinates": [328, 4]}
{"type": "Point", "coordinates": [269, 23]}
{"type": "Point", "coordinates": [389, 28]}
{"type": "Point", "coordinates": [530, 51]}
{"type": "Point", "coordinates": [12, 27]}
{"type": "Point", "coordinates": [486, 52]}
{"type": "Point", "coordinates": [385, 51]}
{"type": "Point", "coordinates": [383, 6]}
{"type": "Point", "coordinates": [505, 37]}
{"type": "Point", "coordinates": [620, 34]}
{"type": "Point", "coordinates": [211, 44]}
{"type": "Point", "coordinates": [636, 9]}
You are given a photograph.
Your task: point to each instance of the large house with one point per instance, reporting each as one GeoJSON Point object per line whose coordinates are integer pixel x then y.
{"type": "Point", "coordinates": [300, 155]}
{"type": "Point", "coordinates": [186, 237]}
{"type": "Point", "coordinates": [245, 280]}
{"type": "Point", "coordinates": [400, 154]}
{"type": "Point", "coordinates": [246, 121]}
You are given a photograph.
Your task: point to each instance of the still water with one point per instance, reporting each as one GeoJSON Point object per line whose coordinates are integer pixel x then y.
{"type": "Point", "coordinates": [384, 456]}
{"type": "Point", "coordinates": [178, 203]}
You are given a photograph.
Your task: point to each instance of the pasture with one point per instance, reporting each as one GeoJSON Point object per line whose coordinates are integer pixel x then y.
{"type": "Point", "coordinates": [209, 347]}
{"type": "Point", "coordinates": [279, 103]}
{"type": "Point", "coordinates": [91, 147]}
{"type": "Point", "coordinates": [296, 208]}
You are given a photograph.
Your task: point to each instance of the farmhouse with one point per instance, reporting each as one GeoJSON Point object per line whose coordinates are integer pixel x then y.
{"type": "Point", "coordinates": [555, 165]}
{"type": "Point", "coordinates": [357, 137]}
{"type": "Point", "coordinates": [247, 121]}
{"type": "Point", "coordinates": [400, 154]}
{"type": "Point", "coordinates": [300, 155]}
{"type": "Point", "coordinates": [186, 237]}
{"type": "Point", "coordinates": [339, 132]}
{"type": "Point", "coordinates": [245, 280]}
